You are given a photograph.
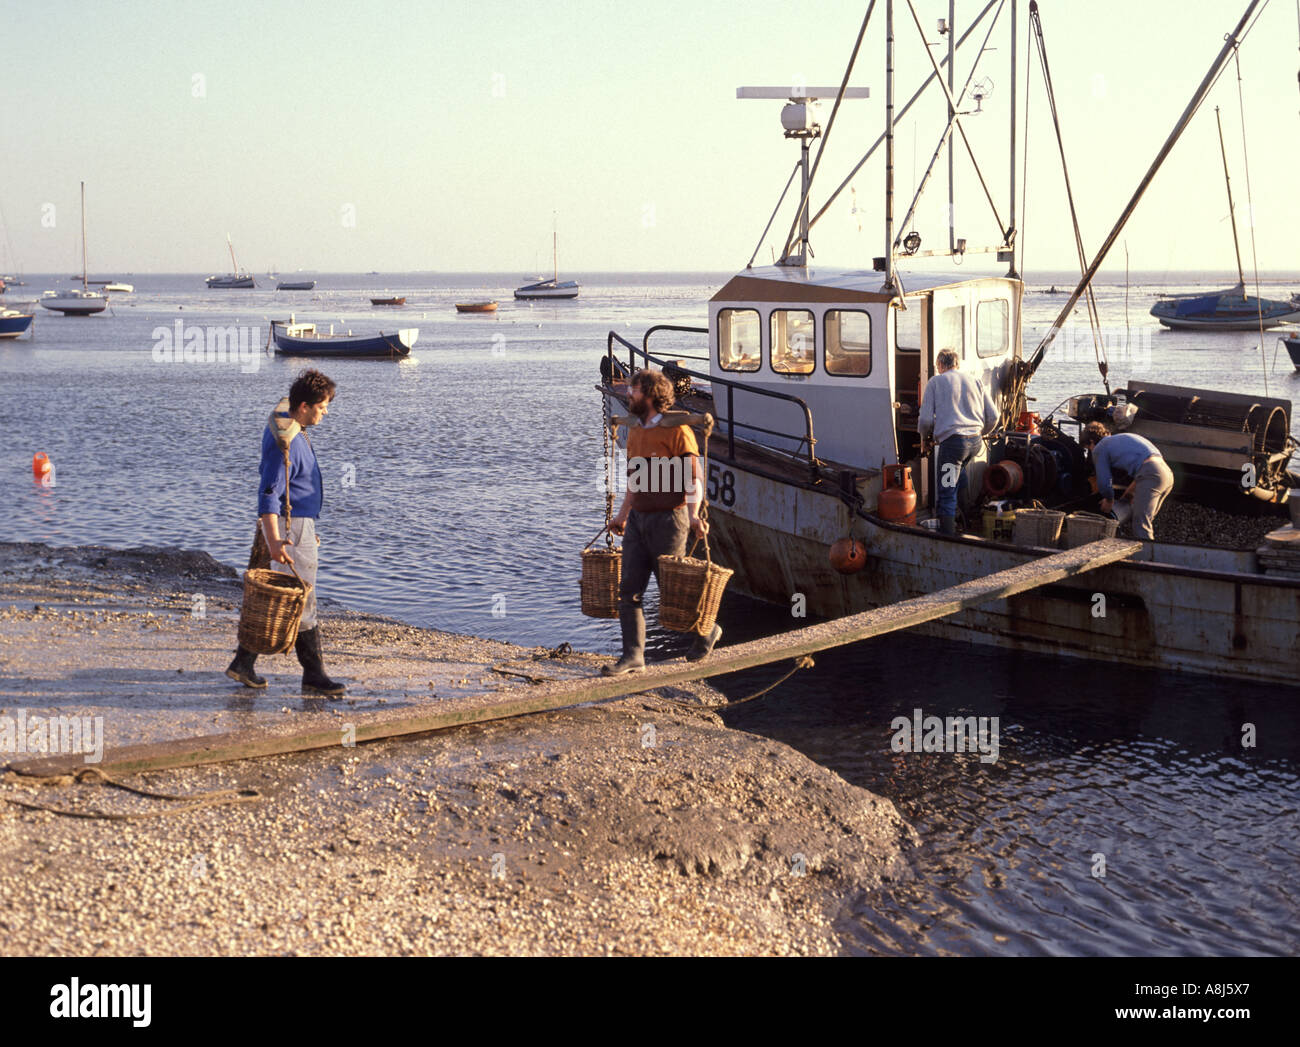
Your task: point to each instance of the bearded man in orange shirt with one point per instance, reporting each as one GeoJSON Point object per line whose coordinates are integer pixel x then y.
{"type": "Point", "coordinates": [665, 487]}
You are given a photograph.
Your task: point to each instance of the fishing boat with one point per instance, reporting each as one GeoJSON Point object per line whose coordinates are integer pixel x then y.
{"type": "Point", "coordinates": [388, 301]}
{"type": "Point", "coordinates": [296, 285]}
{"type": "Point", "coordinates": [305, 339]}
{"type": "Point", "coordinates": [14, 323]}
{"type": "Point", "coordinates": [1230, 310]}
{"type": "Point", "coordinates": [813, 376]}
{"type": "Point", "coordinates": [554, 287]}
{"type": "Point", "coordinates": [72, 302]}
{"type": "Point", "coordinates": [476, 307]}
{"type": "Point", "coordinates": [236, 280]}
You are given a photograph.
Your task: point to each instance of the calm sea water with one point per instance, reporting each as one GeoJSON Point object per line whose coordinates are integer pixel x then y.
{"type": "Point", "coordinates": [461, 484]}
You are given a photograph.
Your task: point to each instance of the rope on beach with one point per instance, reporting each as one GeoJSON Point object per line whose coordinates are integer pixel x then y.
{"type": "Point", "coordinates": [802, 662]}
{"type": "Point", "coordinates": [214, 798]}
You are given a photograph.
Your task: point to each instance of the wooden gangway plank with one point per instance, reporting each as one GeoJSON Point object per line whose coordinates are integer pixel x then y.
{"type": "Point", "coordinates": [238, 745]}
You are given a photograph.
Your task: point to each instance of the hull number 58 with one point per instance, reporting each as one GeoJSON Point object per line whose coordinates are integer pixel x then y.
{"type": "Point", "coordinates": [722, 485]}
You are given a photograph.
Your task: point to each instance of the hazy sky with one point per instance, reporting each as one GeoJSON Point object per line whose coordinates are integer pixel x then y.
{"type": "Point", "coordinates": [353, 136]}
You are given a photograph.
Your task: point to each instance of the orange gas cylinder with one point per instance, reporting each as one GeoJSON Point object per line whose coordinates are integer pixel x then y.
{"type": "Point", "coordinates": [41, 467]}
{"type": "Point", "coordinates": [897, 498]}
{"type": "Point", "coordinates": [1028, 422]}
{"type": "Point", "coordinates": [848, 555]}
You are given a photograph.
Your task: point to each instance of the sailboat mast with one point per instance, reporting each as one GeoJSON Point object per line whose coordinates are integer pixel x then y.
{"type": "Point", "coordinates": [83, 236]}
{"type": "Point", "coordinates": [1232, 212]}
{"type": "Point", "coordinates": [555, 255]}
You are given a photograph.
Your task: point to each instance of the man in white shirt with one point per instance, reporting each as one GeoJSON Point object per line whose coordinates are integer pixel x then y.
{"type": "Point", "coordinates": [956, 412]}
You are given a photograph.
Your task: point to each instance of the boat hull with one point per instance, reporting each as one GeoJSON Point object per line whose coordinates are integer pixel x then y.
{"type": "Point", "coordinates": [476, 307]}
{"type": "Point", "coordinates": [1208, 613]}
{"type": "Point", "coordinates": [369, 347]}
{"type": "Point", "coordinates": [303, 285]}
{"type": "Point", "coordinates": [231, 283]}
{"type": "Point", "coordinates": [76, 306]}
{"type": "Point", "coordinates": [1293, 350]}
{"type": "Point", "coordinates": [13, 326]}
{"type": "Point", "coordinates": [548, 289]}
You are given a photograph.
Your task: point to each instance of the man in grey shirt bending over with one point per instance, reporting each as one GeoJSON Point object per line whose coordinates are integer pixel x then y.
{"type": "Point", "coordinates": [957, 412]}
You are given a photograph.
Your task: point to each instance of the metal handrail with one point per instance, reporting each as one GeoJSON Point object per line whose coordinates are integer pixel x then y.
{"type": "Point", "coordinates": [807, 440]}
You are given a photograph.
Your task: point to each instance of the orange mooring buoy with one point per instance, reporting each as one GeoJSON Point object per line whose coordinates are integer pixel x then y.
{"type": "Point", "coordinates": [848, 555]}
{"type": "Point", "coordinates": [42, 470]}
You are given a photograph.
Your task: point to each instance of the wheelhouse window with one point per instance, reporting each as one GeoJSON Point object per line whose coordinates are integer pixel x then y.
{"type": "Point", "coordinates": [848, 342]}
{"type": "Point", "coordinates": [907, 325]}
{"type": "Point", "coordinates": [793, 341]}
{"type": "Point", "coordinates": [993, 327]}
{"type": "Point", "coordinates": [739, 336]}
{"type": "Point", "coordinates": [950, 330]}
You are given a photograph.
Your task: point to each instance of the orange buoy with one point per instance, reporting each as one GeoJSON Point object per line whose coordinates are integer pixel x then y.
{"type": "Point", "coordinates": [41, 467]}
{"type": "Point", "coordinates": [897, 501]}
{"type": "Point", "coordinates": [848, 555]}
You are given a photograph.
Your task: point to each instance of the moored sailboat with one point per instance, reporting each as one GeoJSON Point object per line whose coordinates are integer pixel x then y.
{"type": "Point", "coordinates": [72, 302]}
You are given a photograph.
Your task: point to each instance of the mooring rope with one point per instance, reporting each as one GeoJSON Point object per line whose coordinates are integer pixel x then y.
{"type": "Point", "coordinates": [214, 798]}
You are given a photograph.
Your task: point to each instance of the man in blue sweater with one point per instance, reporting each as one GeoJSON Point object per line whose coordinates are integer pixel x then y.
{"type": "Point", "coordinates": [957, 412]}
{"type": "Point", "coordinates": [309, 399]}
{"type": "Point", "coordinates": [1138, 458]}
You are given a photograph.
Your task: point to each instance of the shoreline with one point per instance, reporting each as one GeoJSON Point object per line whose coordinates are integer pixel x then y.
{"type": "Point", "coordinates": [639, 826]}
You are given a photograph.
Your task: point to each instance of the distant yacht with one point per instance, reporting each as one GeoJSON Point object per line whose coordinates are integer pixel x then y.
{"type": "Point", "coordinates": [77, 303]}
{"type": "Point", "coordinates": [238, 279]}
{"type": "Point", "coordinates": [552, 288]}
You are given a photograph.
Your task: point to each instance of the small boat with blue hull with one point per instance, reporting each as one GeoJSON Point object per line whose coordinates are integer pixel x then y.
{"type": "Point", "coordinates": [13, 323]}
{"type": "Point", "coordinates": [295, 339]}
{"type": "Point", "coordinates": [1231, 310]}
{"type": "Point", "coordinates": [296, 285]}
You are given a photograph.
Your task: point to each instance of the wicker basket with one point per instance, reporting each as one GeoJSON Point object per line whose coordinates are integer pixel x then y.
{"type": "Point", "coordinates": [272, 609]}
{"type": "Point", "coordinates": [1040, 528]}
{"type": "Point", "coordinates": [1082, 528]}
{"type": "Point", "coordinates": [602, 569]}
{"type": "Point", "coordinates": [690, 592]}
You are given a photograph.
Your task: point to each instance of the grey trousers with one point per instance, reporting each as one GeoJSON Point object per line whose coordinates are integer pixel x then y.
{"type": "Point", "coordinates": [647, 537]}
{"type": "Point", "coordinates": [1153, 482]}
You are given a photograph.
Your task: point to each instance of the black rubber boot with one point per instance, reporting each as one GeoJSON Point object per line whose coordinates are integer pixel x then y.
{"type": "Point", "coordinates": [632, 620]}
{"type": "Point", "coordinates": [948, 525]}
{"type": "Point", "coordinates": [702, 646]}
{"type": "Point", "coordinates": [241, 669]}
{"type": "Point", "coordinates": [314, 680]}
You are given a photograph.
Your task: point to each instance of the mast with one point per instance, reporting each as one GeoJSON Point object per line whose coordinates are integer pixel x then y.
{"type": "Point", "coordinates": [1232, 211]}
{"type": "Point", "coordinates": [555, 250]}
{"type": "Point", "coordinates": [952, 112]}
{"type": "Point", "coordinates": [230, 244]}
{"type": "Point", "coordinates": [1012, 221]}
{"type": "Point", "coordinates": [889, 144]}
{"type": "Point", "coordinates": [83, 236]}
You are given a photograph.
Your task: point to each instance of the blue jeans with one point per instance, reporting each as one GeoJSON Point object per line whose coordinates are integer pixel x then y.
{"type": "Point", "coordinates": [954, 451]}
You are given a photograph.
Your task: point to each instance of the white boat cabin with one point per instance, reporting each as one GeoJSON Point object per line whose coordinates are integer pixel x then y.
{"type": "Point", "coordinates": [857, 356]}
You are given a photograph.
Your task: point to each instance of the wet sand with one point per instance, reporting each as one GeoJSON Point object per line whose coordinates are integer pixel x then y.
{"type": "Point", "coordinates": [638, 826]}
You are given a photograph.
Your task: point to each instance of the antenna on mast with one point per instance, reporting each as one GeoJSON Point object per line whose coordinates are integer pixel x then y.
{"type": "Point", "coordinates": [799, 120]}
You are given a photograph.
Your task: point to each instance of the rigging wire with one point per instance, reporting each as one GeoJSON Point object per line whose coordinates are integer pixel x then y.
{"type": "Point", "coordinates": [1250, 205]}
{"type": "Point", "coordinates": [947, 134]}
{"type": "Point", "coordinates": [826, 137]}
{"type": "Point", "coordinates": [1094, 318]}
{"type": "Point", "coordinates": [1234, 39]}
